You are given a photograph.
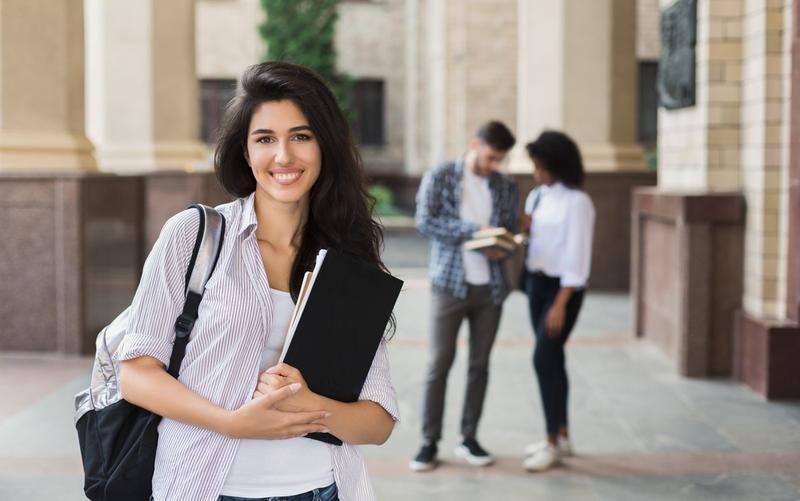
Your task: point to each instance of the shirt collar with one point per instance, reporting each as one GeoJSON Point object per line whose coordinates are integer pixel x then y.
{"type": "Point", "coordinates": [248, 221]}
{"type": "Point", "coordinates": [557, 186]}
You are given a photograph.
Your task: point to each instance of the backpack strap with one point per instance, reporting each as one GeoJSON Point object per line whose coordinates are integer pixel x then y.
{"type": "Point", "coordinates": [207, 246]}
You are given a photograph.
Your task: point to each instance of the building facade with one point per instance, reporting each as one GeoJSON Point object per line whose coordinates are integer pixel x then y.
{"type": "Point", "coordinates": [107, 117]}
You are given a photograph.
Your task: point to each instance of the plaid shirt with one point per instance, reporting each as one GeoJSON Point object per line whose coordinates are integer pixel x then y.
{"type": "Point", "coordinates": [438, 218]}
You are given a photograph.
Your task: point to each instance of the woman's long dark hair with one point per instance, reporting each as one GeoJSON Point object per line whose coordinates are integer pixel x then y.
{"type": "Point", "coordinates": [340, 207]}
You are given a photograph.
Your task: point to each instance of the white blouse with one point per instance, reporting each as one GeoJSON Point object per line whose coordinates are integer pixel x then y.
{"type": "Point", "coordinates": [561, 233]}
{"type": "Point", "coordinates": [276, 468]}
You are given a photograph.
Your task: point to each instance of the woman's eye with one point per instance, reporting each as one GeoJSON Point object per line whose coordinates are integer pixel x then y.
{"type": "Point", "coordinates": [265, 139]}
{"type": "Point", "coordinates": [302, 137]}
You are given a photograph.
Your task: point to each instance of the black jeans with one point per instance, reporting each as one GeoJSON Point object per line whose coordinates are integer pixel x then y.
{"type": "Point", "coordinates": [548, 356]}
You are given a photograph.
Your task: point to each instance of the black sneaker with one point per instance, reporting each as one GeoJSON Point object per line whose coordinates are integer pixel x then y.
{"type": "Point", "coordinates": [425, 459]}
{"type": "Point", "coordinates": [473, 453]}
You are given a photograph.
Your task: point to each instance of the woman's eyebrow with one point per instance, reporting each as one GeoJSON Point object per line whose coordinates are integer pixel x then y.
{"type": "Point", "coordinates": [270, 131]}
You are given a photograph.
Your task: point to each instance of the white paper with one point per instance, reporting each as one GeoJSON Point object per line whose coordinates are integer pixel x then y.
{"type": "Point", "coordinates": [289, 335]}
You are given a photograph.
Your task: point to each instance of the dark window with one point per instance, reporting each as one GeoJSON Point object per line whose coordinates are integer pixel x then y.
{"type": "Point", "coordinates": [214, 97]}
{"type": "Point", "coordinates": [367, 111]}
{"type": "Point", "coordinates": [648, 102]}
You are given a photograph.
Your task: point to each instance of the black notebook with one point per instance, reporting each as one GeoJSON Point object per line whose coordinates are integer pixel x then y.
{"type": "Point", "coordinates": [340, 319]}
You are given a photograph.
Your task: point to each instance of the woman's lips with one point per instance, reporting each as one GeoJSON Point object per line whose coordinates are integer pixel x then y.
{"type": "Point", "coordinates": [285, 178]}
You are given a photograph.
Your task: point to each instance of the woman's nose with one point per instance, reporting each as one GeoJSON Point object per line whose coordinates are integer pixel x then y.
{"type": "Point", "coordinates": [284, 155]}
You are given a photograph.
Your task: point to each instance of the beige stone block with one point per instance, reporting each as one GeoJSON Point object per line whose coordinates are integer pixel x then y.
{"type": "Point", "coordinates": [773, 110]}
{"type": "Point", "coordinates": [724, 51]}
{"type": "Point", "coordinates": [724, 93]}
{"type": "Point", "coordinates": [773, 135]}
{"type": "Point", "coordinates": [774, 87]}
{"type": "Point", "coordinates": [716, 72]}
{"type": "Point", "coordinates": [716, 29]}
{"type": "Point", "coordinates": [724, 8]}
{"type": "Point", "coordinates": [731, 156]}
{"type": "Point", "coordinates": [721, 136]}
{"type": "Point", "coordinates": [773, 156]}
{"type": "Point", "coordinates": [732, 72]}
{"type": "Point", "coordinates": [724, 180]}
{"type": "Point", "coordinates": [733, 29]}
{"type": "Point", "coordinates": [774, 65]}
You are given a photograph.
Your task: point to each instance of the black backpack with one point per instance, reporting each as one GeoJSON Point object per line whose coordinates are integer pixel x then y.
{"type": "Point", "coordinates": [118, 439]}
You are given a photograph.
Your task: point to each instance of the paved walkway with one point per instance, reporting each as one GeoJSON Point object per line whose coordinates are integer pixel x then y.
{"type": "Point", "coordinates": [640, 432]}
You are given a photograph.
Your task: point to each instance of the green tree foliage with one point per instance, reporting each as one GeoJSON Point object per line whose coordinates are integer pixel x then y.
{"type": "Point", "coordinates": [302, 31]}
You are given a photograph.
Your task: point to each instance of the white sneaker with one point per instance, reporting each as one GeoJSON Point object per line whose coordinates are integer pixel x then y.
{"type": "Point", "coordinates": [564, 447]}
{"type": "Point", "coordinates": [542, 459]}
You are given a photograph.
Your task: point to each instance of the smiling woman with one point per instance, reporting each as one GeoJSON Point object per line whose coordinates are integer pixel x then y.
{"type": "Point", "coordinates": [283, 152]}
{"type": "Point", "coordinates": [233, 429]}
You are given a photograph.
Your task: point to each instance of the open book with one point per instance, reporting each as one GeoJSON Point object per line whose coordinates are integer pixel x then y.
{"type": "Point", "coordinates": [338, 323]}
{"type": "Point", "coordinates": [495, 238]}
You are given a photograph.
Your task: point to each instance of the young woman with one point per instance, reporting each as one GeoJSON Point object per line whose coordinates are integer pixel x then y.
{"type": "Point", "coordinates": [561, 221]}
{"type": "Point", "coordinates": [234, 421]}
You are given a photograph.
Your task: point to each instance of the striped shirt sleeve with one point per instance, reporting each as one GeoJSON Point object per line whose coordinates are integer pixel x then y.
{"type": "Point", "coordinates": [378, 386]}
{"type": "Point", "coordinates": [160, 295]}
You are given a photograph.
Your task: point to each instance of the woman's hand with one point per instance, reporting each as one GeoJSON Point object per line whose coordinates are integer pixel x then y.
{"type": "Point", "coordinates": [283, 375]}
{"type": "Point", "coordinates": [495, 254]}
{"type": "Point", "coordinates": [261, 417]}
{"type": "Point", "coordinates": [526, 223]}
{"type": "Point", "coordinates": [555, 319]}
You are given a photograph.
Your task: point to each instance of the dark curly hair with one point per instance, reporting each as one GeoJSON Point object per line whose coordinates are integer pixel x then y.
{"type": "Point", "coordinates": [340, 208]}
{"type": "Point", "coordinates": [559, 155]}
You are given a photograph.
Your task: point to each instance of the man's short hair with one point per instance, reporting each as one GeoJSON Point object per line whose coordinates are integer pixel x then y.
{"type": "Point", "coordinates": [496, 135]}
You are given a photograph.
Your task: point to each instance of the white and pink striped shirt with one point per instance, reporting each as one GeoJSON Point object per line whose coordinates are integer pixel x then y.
{"type": "Point", "coordinates": [222, 358]}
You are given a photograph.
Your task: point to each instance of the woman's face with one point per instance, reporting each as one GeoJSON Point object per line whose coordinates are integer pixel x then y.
{"type": "Point", "coordinates": [283, 152]}
{"type": "Point", "coordinates": [541, 174]}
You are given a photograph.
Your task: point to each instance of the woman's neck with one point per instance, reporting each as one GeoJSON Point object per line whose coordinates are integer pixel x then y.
{"type": "Point", "coordinates": [278, 222]}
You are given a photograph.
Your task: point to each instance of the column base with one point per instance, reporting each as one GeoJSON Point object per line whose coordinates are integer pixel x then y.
{"type": "Point", "coordinates": [687, 262]}
{"type": "Point", "coordinates": [766, 355]}
{"type": "Point", "coordinates": [46, 151]}
{"type": "Point", "coordinates": [613, 157]}
{"type": "Point", "coordinates": [162, 156]}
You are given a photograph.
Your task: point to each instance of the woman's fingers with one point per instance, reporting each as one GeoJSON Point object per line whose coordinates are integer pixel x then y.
{"type": "Point", "coordinates": [282, 369]}
{"type": "Point", "coordinates": [307, 417]}
{"type": "Point", "coordinates": [280, 394]}
{"type": "Point", "coordinates": [301, 430]}
{"type": "Point", "coordinates": [272, 379]}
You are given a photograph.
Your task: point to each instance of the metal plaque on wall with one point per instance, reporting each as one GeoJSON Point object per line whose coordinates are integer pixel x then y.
{"type": "Point", "coordinates": [676, 77]}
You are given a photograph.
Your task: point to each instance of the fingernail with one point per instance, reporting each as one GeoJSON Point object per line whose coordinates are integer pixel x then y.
{"type": "Point", "coordinates": [294, 386]}
{"type": "Point", "coordinates": [327, 415]}
{"type": "Point", "coordinates": [325, 430]}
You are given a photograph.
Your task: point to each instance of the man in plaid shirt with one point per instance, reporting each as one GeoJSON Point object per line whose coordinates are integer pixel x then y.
{"type": "Point", "coordinates": [456, 199]}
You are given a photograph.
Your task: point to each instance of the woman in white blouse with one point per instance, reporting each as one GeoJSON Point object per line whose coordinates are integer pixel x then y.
{"type": "Point", "coordinates": [561, 221]}
{"type": "Point", "coordinates": [235, 421]}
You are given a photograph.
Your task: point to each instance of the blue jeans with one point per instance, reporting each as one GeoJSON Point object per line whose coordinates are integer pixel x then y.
{"type": "Point", "coordinates": [330, 493]}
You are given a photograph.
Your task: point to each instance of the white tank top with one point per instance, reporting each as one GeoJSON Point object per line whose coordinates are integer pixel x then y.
{"type": "Point", "coordinates": [267, 468]}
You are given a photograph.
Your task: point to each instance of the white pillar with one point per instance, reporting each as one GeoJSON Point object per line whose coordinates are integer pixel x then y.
{"type": "Point", "coordinates": [41, 86]}
{"type": "Point", "coordinates": [142, 90]}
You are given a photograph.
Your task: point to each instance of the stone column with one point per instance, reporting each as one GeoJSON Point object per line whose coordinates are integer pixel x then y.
{"type": "Point", "coordinates": [142, 91]}
{"type": "Point", "coordinates": [41, 86]}
{"type": "Point", "coordinates": [577, 73]}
